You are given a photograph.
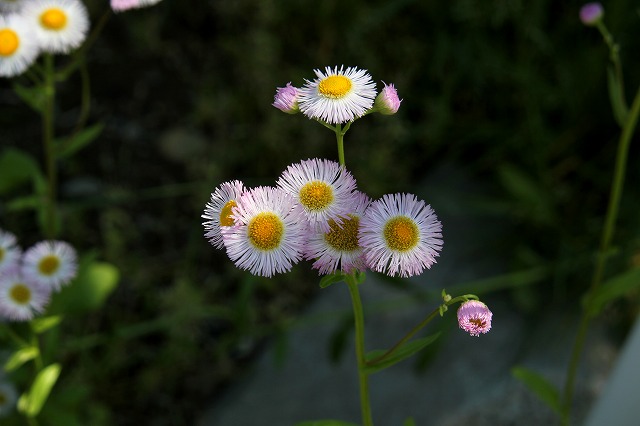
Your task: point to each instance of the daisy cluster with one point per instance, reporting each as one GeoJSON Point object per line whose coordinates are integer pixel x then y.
{"type": "Point", "coordinates": [314, 212]}
{"type": "Point", "coordinates": [27, 279]}
{"type": "Point", "coordinates": [31, 27]}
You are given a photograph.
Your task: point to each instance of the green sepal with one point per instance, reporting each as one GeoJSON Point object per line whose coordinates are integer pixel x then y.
{"type": "Point", "coordinates": [42, 324]}
{"type": "Point", "coordinates": [613, 288]}
{"type": "Point", "coordinates": [405, 351]}
{"type": "Point", "coordinates": [539, 386]}
{"type": "Point", "coordinates": [21, 357]}
{"type": "Point", "coordinates": [327, 280]}
{"type": "Point", "coordinates": [31, 402]}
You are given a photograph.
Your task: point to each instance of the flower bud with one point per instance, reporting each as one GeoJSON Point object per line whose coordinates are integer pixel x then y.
{"type": "Point", "coordinates": [387, 101]}
{"type": "Point", "coordinates": [286, 99]}
{"type": "Point", "coordinates": [591, 13]}
{"type": "Point", "coordinates": [474, 317]}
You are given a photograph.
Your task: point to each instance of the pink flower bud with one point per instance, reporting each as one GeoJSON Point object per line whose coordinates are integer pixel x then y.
{"type": "Point", "coordinates": [387, 101]}
{"type": "Point", "coordinates": [474, 317]}
{"type": "Point", "coordinates": [286, 99]}
{"type": "Point", "coordinates": [591, 13]}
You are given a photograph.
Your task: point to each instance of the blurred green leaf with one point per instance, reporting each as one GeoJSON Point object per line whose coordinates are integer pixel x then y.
{"type": "Point", "coordinates": [32, 96]}
{"type": "Point", "coordinates": [21, 357]}
{"type": "Point", "coordinates": [612, 289]}
{"type": "Point", "coordinates": [409, 422]}
{"type": "Point", "coordinates": [327, 280]}
{"type": "Point", "coordinates": [338, 338]}
{"type": "Point", "coordinates": [74, 143]}
{"type": "Point", "coordinates": [404, 352]}
{"type": "Point", "coordinates": [326, 423]}
{"type": "Point", "coordinates": [16, 167]}
{"type": "Point", "coordinates": [42, 324]}
{"type": "Point", "coordinates": [530, 196]}
{"type": "Point", "coordinates": [31, 402]}
{"type": "Point", "coordinates": [540, 386]}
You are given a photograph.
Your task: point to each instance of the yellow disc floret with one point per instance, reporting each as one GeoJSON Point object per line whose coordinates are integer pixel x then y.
{"type": "Point", "coordinates": [265, 231]}
{"type": "Point", "coordinates": [49, 265]}
{"type": "Point", "coordinates": [9, 42]}
{"type": "Point", "coordinates": [335, 86]}
{"type": "Point", "coordinates": [316, 195]}
{"type": "Point", "coordinates": [401, 233]}
{"type": "Point", "coordinates": [225, 213]}
{"type": "Point", "coordinates": [343, 237]}
{"type": "Point", "coordinates": [21, 294]}
{"type": "Point", "coordinates": [53, 19]}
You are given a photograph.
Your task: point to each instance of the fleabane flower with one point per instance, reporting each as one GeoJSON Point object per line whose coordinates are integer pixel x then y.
{"type": "Point", "coordinates": [18, 48]}
{"type": "Point", "coordinates": [591, 13]}
{"type": "Point", "coordinates": [400, 235]}
{"type": "Point", "coordinates": [20, 298]}
{"type": "Point", "coordinates": [9, 251]}
{"type": "Point", "coordinates": [59, 25]}
{"type": "Point", "coordinates": [474, 317]}
{"type": "Point", "coordinates": [286, 99]}
{"type": "Point", "coordinates": [387, 102]}
{"type": "Point", "coordinates": [50, 263]}
{"type": "Point", "coordinates": [122, 5]}
{"type": "Point", "coordinates": [323, 188]}
{"type": "Point", "coordinates": [8, 398]}
{"type": "Point", "coordinates": [339, 248]}
{"type": "Point", "coordinates": [337, 96]}
{"type": "Point", "coordinates": [217, 211]}
{"type": "Point", "coordinates": [269, 233]}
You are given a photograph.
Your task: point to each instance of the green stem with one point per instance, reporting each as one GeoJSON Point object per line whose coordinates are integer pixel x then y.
{"type": "Point", "coordinates": [340, 139]}
{"type": "Point", "coordinates": [358, 315]}
{"type": "Point", "coordinates": [614, 56]}
{"type": "Point", "coordinates": [605, 242]}
{"type": "Point", "coordinates": [49, 148]}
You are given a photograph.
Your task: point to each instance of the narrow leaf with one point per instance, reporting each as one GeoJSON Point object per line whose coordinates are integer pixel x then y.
{"type": "Point", "coordinates": [540, 386]}
{"type": "Point", "coordinates": [404, 352]}
{"type": "Point", "coordinates": [40, 325]}
{"type": "Point", "coordinates": [21, 357]}
{"type": "Point", "coordinates": [16, 168]}
{"type": "Point", "coordinates": [327, 280]}
{"type": "Point", "coordinates": [32, 96]}
{"type": "Point", "coordinates": [32, 402]}
{"type": "Point", "coordinates": [74, 143]}
{"type": "Point", "coordinates": [612, 289]}
{"type": "Point", "coordinates": [616, 97]}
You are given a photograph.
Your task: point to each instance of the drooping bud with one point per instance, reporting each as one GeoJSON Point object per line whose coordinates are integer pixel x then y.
{"type": "Point", "coordinates": [286, 99]}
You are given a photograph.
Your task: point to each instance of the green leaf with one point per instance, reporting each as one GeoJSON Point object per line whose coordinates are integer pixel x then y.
{"type": "Point", "coordinates": [16, 168]}
{"type": "Point", "coordinates": [616, 97]}
{"type": "Point", "coordinates": [612, 289]}
{"type": "Point", "coordinates": [327, 280]}
{"type": "Point", "coordinates": [532, 199]}
{"type": "Point", "coordinates": [21, 357]}
{"type": "Point", "coordinates": [67, 147]}
{"type": "Point", "coordinates": [338, 339]}
{"type": "Point", "coordinates": [326, 423]}
{"type": "Point", "coordinates": [30, 403]}
{"type": "Point", "coordinates": [540, 386]}
{"type": "Point", "coordinates": [409, 422]}
{"type": "Point", "coordinates": [42, 324]}
{"type": "Point", "coordinates": [404, 352]}
{"type": "Point", "coordinates": [32, 96]}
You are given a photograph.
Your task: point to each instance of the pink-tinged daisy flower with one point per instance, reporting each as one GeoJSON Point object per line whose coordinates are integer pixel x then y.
{"type": "Point", "coordinates": [59, 25]}
{"type": "Point", "coordinates": [18, 48]}
{"type": "Point", "coordinates": [122, 5]}
{"type": "Point", "coordinates": [21, 299]}
{"type": "Point", "coordinates": [338, 95]}
{"type": "Point", "coordinates": [217, 212]}
{"type": "Point", "coordinates": [400, 235]}
{"type": "Point", "coordinates": [591, 13]}
{"type": "Point", "coordinates": [387, 101]}
{"type": "Point", "coordinates": [269, 233]}
{"type": "Point", "coordinates": [323, 188]}
{"type": "Point", "coordinates": [339, 248]}
{"type": "Point", "coordinates": [474, 317]}
{"type": "Point", "coordinates": [286, 99]}
{"type": "Point", "coordinates": [50, 263]}
{"type": "Point", "coordinates": [11, 6]}
{"type": "Point", "coordinates": [8, 398]}
{"type": "Point", "coordinates": [9, 251]}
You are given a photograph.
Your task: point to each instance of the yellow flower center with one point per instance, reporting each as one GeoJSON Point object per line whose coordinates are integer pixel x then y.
{"type": "Point", "coordinates": [265, 231]}
{"type": "Point", "coordinates": [53, 19]}
{"type": "Point", "coordinates": [316, 195]}
{"type": "Point", "coordinates": [9, 42]}
{"type": "Point", "coordinates": [49, 265]}
{"type": "Point", "coordinates": [20, 294]}
{"type": "Point", "coordinates": [343, 238]}
{"type": "Point", "coordinates": [401, 233]}
{"type": "Point", "coordinates": [335, 86]}
{"type": "Point", "coordinates": [225, 213]}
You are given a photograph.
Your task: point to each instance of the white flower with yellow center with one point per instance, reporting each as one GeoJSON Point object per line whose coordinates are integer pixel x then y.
{"type": "Point", "coordinates": [9, 251]}
{"type": "Point", "coordinates": [400, 235]}
{"type": "Point", "coordinates": [59, 25]}
{"type": "Point", "coordinates": [18, 48]}
{"type": "Point", "coordinates": [217, 211]}
{"type": "Point", "coordinates": [338, 95]}
{"type": "Point", "coordinates": [8, 398]}
{"type": "Point", "coordinates": [50, 263]}
{"type": "Point", "coordinates": [339, 248]}
{"type": "Point", "coordinates": [323, 188]}
{"type": "Point", "coordinates": [20, 298]}
{"type": "Point", "coordinates": [270, 232]}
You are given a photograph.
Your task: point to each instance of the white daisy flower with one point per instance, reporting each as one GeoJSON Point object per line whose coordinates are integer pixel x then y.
{"type": "Point", "coordinates": [122, 5]}
{"type": "Point", "coordinates": [323, 188]}
{"type": "Point", "coordinates": [21, 299]}
{"type": "Point", "coordinates": [338, 95]}
{"type": "Point", "coordinates": [217, 212]}
{"type": "Point", "coordinates": [59, 25]}
{"type": "Point", "coordinates": [400, 235]}
{"type": "Point", "coordinates": [9, 251]}
{"type": "Point", "coordinates": [18, 48]}
{"type": "Point", "coordinates": [50, 263]}
{"type": "Point", "coordinates": [270, 232]}
{"type": "Point", "coordinates": [8, 398]}
{"type": "Point", "coordinates": [339, 248]}
{"type": "Point", "coordinates": [11, 6]}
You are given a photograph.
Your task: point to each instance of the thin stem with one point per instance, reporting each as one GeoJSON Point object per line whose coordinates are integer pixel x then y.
{"type": "Point", "coordinates": [614, 56]}
{"type": "Point", "coordinates": [605, 242]}
{"type": "Point", "coordinates": [340, 139]}
{"type": "Point", "coordinates": [48, 146]}
{"type": "Point", "coordinates": [358, 315]}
